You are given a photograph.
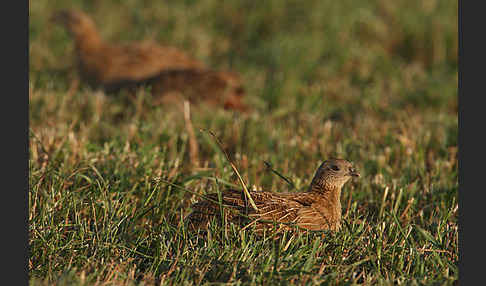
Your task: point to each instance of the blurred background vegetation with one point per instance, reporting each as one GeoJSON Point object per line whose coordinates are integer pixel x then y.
{"type": "Point", "coordinates": [371, 81]}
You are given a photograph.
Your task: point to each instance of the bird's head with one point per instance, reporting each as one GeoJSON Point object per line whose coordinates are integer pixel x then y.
{"type": "Point", "coordinates": [333, 173]}
{"type": "Point", "coordinates": [76, 22]}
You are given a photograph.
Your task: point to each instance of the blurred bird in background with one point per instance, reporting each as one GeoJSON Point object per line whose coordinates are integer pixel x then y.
{"type": "Point", "coordinates": [168, 70]}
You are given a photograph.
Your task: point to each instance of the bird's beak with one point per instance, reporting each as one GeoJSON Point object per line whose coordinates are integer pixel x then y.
{"type": "Point", "coordinates": [354, 173]}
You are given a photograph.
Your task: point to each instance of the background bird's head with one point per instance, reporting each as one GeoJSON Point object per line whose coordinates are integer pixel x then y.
{"type": "Point", "coordinates": [76, 22]}
{"type": "Point", "coordinates": [333, 173]}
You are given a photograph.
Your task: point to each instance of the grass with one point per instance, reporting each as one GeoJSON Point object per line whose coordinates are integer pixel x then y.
{"type": "Point", "coordinates": [374, 82]}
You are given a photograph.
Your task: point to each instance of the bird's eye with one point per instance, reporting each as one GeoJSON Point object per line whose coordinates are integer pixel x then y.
{"type": "Point", "coordinates": [334, 168]}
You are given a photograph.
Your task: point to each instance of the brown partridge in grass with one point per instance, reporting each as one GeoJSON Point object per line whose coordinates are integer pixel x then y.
{"type": "Point", "coordinates": [319, 208]}
{"type": "Point", "coordinates": [112, 66]}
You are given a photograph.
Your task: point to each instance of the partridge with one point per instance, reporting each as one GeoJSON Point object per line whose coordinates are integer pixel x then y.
{"type": "Point", "coordinates": [114, 66]}
{"type": "Point", "coordinates": [318, 208]}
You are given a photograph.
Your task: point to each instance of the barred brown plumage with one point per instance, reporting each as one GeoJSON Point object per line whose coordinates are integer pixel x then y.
{"type": "Point", "coordinates": [319, 208]}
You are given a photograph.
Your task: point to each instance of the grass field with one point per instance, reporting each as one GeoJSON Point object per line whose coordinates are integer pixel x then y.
{"type": "Point", "coordinates": [374, 82]}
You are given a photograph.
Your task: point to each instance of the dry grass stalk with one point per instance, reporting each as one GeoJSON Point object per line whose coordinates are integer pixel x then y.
{"type": "Point", "coordinates": [193, 146]}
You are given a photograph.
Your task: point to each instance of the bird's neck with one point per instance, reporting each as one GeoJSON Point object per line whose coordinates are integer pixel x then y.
{"type": "Point", "coordinates": [88, 40]}
{"type": "Point", "coordinates": [330, 193]}
{"type": "Point", "coordinates": [328, 202]}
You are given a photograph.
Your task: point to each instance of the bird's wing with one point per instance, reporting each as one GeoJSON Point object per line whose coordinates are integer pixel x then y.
{"type": "Point", "coordinates": [310, 218]}
{"type": "Point", "coordinates": [309, 215]}
{"type": "Point", "coordinates": [270, 206]}
{"type": "Point", "coordinates": [304, 198]}
{"type": "Point", "coordinates": [142, 61]}
{"type": "Point", "coordinates": [286, 210]}
{"type": "Point", "coordinates": [277, 208]}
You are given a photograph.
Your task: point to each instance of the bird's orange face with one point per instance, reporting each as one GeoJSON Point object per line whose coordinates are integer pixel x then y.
{"type": "Point", "coordinates": [76, 22]}
{"type": "Point", "coordinates": [341, 167]}
{"type": "Point", "coordinates": [335, 172]}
